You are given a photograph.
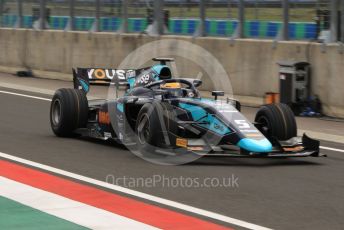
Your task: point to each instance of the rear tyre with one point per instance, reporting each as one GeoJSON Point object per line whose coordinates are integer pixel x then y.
{"type": "Point", "coordinates": [68, 111]}
{"type": "Point", "coordinates": [276, 121]}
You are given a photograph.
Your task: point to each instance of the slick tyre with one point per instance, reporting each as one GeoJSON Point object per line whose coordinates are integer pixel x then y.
{"type": "Point", "coordinates": [68, 112]}
{"type": "Point", "coordinates": [276, 121]}
{"type": "Point", "coordinates": [155, 126]}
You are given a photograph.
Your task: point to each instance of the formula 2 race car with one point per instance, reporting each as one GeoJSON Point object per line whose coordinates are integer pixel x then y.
{"type": "Point", "coordinates": [167, 115]}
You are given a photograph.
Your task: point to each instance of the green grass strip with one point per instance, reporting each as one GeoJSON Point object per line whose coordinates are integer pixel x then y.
{"type": "Point", "coordinates": [14, 215]}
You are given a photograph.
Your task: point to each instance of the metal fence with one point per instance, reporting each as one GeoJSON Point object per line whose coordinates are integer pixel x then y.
{"type": "Point", "coordinates": [273, 19]}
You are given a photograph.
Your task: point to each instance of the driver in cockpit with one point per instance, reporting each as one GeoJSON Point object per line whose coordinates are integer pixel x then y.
{"type": "Point", "coordinates": [175, 90]}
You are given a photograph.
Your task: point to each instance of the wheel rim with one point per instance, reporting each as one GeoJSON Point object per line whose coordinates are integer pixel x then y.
{"type": "Point", "coordinates": [143, 131]}
{"type": "Point", "coordinates": [265, 125]}
{"type": "Point", "coordinates": [56, 112]}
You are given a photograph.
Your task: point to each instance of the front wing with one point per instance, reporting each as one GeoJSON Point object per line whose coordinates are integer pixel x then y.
{"type": "Point", "coordinates": [295, 147]}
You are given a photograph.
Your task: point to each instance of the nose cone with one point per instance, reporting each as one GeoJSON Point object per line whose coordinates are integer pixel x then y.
{"type": "Point", "coordinates": [258, 146]}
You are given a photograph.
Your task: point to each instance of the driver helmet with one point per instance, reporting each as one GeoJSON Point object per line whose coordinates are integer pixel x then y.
{"type": "Point", "coordinates": [174, 88]}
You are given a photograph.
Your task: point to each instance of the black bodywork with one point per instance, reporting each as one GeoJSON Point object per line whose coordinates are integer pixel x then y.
{"type": "Point", "coordinates": [202, 126]}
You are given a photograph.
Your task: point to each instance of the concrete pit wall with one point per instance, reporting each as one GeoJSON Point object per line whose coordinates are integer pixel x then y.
{"type": "Point", "coordinates": [251, 64]}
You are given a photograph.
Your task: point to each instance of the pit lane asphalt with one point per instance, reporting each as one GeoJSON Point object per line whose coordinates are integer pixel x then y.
{"type": "Point", "coordinates": [305, 193]}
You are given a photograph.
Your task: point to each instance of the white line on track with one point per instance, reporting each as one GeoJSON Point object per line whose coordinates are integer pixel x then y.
{"type": "Point", "coordinates": [332, 149]}
{"type": "Point", "coordinates": [142, 195]}
{"type": "Point", "coordinates": [25, 95]}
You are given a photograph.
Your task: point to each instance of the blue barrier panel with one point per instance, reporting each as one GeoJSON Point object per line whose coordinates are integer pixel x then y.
{"type": "Point", "coordinates": [191, 26]}
{"type": "Point", "coordinates": [221, 28]}
{"type": "Point", "coordinates": [177, 26]}
{"type": "Point", "coordinates": [105, 24]}
{"type": "Point", "coordinates": [216, 27]}
{"type": "Point", "coordinates": [272, 29]}
{"type": "Point", "coordinates": [235, 25]}
{"type": "Point", "coordinates": [9, 20]}
{"type": "Point", "coordinates": [292, 30]}
{"type": "Point", "coordinates": [207, 26]}
{"type": "Point", "coordinates": [54, 22]}
{"type": "Point", "coordinates": [65, 22]}
{"type": "Point", "coordinates": [310, 31]}
{"type": "Point", "coordinates": [254, 28]}
{"type": "Point", "coordinates": [27, 21]}
{"type": "Point", "coordinates": [115, 24]}
{"type": "Point", "coordinates": [58, 22]}
{"type": "Point", "coordinates": [138, 25]}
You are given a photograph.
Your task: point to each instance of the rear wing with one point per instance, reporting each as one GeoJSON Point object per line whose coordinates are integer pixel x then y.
{"type": "Point", "coordinates": [83, 77]}
{"type": "Point", "coordinates": [129, 78]}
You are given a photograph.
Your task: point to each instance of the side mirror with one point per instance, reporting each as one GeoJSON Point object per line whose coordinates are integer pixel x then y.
{"type": "Point", "coordinates": [197, 83]}
{"type": "Point", "coordinates": [235, 103]}
{"type": "Point", "coordinates": [217, 93]}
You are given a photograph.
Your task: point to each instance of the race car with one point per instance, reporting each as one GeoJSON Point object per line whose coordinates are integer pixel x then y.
{"type": "Point", "coordinates": [161, 114]}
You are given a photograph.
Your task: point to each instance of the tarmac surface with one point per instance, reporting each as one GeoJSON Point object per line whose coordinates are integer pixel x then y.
{"type": "Point", "coordinates": [305, 193]}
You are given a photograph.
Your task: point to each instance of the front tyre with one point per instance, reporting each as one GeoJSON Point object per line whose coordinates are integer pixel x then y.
{"type": "Point", "coordinates": [68, 111]}
{"type": "Point", "coordinates": [156, 135]}
{"type": "Point", "coordinates": [276, 121]}
{"type": "Point", "coordinates": [155, 126]}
